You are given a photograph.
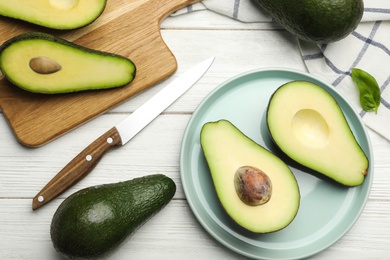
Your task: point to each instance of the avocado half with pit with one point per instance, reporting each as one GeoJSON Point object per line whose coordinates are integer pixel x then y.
{"type": "Point", "coordinates": [309, 126]}
{"type": "Point", "coordinates": [256, 188]}
{"type": "Point", "coordinates": [54, 14]}
{"type": "Point", "coordinates": [43, 63]}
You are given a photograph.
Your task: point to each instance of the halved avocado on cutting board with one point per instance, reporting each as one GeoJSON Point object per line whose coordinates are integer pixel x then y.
{"type": "Point", "coordinates": [55, 14]}
{"type": "Point", "coordinates": [43, 63]}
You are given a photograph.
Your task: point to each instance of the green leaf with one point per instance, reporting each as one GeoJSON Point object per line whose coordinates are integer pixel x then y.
{"type": "Point", "coordinates": [370, 93]}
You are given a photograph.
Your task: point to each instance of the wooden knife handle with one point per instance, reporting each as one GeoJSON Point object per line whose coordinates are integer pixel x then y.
{"type": "Point", "coordinates": [78, 168]}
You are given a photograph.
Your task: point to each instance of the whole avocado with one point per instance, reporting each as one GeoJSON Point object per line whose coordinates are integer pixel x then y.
{"type": "Point", "coordinates": [94, 221]}
{"type": "Point", "coordinates": [319, 21]}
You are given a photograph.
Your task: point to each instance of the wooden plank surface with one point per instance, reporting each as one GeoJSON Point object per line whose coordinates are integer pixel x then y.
{"type": "Point", "coordinates": [174, 233]}
{"type": "Point", "coordinates": [127, 28]}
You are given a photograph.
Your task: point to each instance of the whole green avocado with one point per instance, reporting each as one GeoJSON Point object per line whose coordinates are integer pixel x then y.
{"type": "Point", "coordinates": [94, 221]}
{"type": "Point", "coordinates": [319, 21]}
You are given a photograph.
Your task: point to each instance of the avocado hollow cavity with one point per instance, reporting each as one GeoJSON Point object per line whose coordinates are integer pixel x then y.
{"type": "Point", "coordinates": [252, 185]}
{"type": "Point", "coordinates": [310, 128]}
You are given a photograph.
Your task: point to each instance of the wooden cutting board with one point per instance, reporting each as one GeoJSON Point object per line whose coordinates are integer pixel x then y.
{"type": "Point", "coordinates": [127, 27]}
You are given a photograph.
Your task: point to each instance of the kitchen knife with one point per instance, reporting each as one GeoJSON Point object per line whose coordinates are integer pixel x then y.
{"type": "Point", "coordinates": [120, 134]}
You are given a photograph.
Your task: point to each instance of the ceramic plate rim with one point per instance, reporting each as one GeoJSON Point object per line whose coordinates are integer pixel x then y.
{"type": "Point", "coordinates": [198, 211]}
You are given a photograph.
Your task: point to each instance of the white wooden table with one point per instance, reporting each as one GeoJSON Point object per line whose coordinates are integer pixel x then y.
{"type": "Point", "coordinates": [174, 233]}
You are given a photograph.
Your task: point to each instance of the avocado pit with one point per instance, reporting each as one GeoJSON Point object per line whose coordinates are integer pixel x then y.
{"type": "Point", "coordinates": [44, 65]}
{"type": "Point", "coordinates": [252, 185]}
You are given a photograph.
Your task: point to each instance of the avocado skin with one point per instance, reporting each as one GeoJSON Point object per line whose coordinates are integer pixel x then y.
{"type": "Point", "coordinates": [319, 21]}
{"type": "Point", "coordinates": [94, 221]}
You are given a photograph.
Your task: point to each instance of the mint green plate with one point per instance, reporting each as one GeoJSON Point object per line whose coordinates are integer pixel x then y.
{"type": "Point", "coordinates": [327, 210]}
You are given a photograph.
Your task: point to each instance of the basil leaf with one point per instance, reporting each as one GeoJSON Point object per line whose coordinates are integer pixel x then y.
{"type": "Point", "coordinates": [370, 93]}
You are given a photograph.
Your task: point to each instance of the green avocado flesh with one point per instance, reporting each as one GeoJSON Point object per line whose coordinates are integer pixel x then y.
{"type": "Point", "coordinates": [96, 220]}
{"type": "Point", "coordinates": [319, 21]}
{"type": "Point", "coordinates": [54, 14]}
{"type": "Point", "coordinates": [308, 125]}
{"type": "Point", "coordinates": [43, 63]}
{"type": "Point", "coordinates": [227, 151]}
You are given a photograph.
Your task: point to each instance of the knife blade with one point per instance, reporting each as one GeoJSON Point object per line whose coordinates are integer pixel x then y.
{"type": "Point", "coordinates": [118, 135]}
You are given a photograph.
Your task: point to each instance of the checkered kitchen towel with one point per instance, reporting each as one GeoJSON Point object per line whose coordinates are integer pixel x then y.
{"type": "Point", "coordinates": [367, 48]}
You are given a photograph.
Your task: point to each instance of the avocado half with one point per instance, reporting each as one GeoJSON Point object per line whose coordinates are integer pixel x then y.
{"type": "Point", "coordinates": [43, 63]}
{"type": "Point", "coordinates": [308, 125]}
{"type": "Point", "coordinates": [238, 167]}
{"type": "Point", "coordinates": [54, 14]}
{"type": "Point", "coordinates": [319, 21]}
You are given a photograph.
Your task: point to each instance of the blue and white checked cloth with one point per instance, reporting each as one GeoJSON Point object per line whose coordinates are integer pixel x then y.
{"type": "Point", "coordinates": [367, 48]}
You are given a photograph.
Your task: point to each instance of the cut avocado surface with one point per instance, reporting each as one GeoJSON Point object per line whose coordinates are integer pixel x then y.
{"type": "Point", "coordinates": [233, 158]}
{"type": "Point", "coordinates": [55, 14]}
{"type": "Point", "coordinates": [319, 21]}
{"type": "Point", "coordinates": [308, 125]}
{"type": "Point", "coordinates": [43, 63]}
{"type": "Point", "coordinates": [94, 221]}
